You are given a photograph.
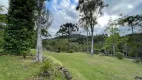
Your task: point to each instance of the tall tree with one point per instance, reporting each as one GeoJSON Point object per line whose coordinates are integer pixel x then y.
{"type": "Point", "coordinates": [134, 21]}
{"type": "Point", "coordinates": [131, 21]}
{"type": "Point", "coordinates": [68, 29]}
{"type": "Point", "coordinates": [87, 40]}
{"type": "Point", "coordinates": [90, 11]}
{"type": "Point", "coordinates": [19, 31]}
{"type": "Point", "coordinates": [85, 25]}
{"type": "Point", "coordinates": [43, 21]}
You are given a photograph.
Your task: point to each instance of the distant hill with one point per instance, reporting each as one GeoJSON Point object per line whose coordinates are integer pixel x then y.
{"type": "Point", "coordinates": [72, 36]}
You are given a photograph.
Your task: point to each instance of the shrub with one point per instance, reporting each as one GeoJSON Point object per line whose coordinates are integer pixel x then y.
{"type": "Point", "coordinates": [50, 68]}
{"type": "Point", "coordinates": [119, 55]}
{"type": "Point", "coordinates": [70, 51]}
{"type": "Point", "coordinates": [139, 60]}
{"type": "Point", "coordinates": [47, 69]}
{"type": "Point", "coordinates": [24, 54]}
{"type": "Point", "coordinates": [58, 50]}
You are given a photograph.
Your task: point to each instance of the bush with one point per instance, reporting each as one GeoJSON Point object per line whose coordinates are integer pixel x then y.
{"type": "Point", "coordinates": [70, 51]}
{"type": "Point", "coordinates": [50, 69]}
{"type": "Point", "coordinates": [139, 60]}
{"type": "Point", "coordinates": [47, 69]}
{"type": "Point", "coordinates": [24, 54]}
{"type": "Point", "coordinates": [119, 55]}
{"type": "Point", "coordinates": [58, 50]}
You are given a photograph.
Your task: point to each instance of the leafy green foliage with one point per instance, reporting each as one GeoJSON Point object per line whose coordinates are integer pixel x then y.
{"type": "Point", "coordinates": [90, 11]}
{"type": "Point", "coordinates": [24, 54]}
{"type": "Point", "coordinates": [3, 22]}
{"type": "Point", "coordinates": [131, 21]}
{"type": "Point", "coordinates": [139, 60]}
{"type": "Point", "coordinates": [134, 43]}
{"type": "Point", "coordinates": [50, 69]}
{"type": "Point", "coordinates": [68, 29]}
{"type": "Point", "coordinates": [70, 51]}
{"type": "Point", "coordinates": [110, 41]}
{"type": "Point", "coordinates": [119, 55]}
{"type": "Point", "coordinates": [18, 33]}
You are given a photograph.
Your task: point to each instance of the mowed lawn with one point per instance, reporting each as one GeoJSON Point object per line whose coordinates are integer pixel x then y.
{"type": "Point", "coordinates": [16, 68]}
{"type": "Point", "coordinates": [84, 67]}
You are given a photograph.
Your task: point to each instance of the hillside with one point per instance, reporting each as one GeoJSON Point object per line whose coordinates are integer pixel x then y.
{"type": "Point", "coordinates": [84, 67]}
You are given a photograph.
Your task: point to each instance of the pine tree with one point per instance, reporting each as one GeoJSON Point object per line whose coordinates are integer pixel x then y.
{"type": "Point", "coordinates": [20, 28]}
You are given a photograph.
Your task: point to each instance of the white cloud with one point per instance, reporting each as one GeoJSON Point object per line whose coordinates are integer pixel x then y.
{"type": "Point", "coordinates": [130, 6]}
{"type": "Point", "coordinates": [76, 1]}
{"type": "Point", "coordinates": [4, 3]}
{"type": "Point", "coordinates": [103, 21]}
{"type": "Point", "coordinates": [64, 11]}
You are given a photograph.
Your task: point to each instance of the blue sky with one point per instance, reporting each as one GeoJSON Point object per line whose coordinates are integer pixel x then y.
{"type": "Point", "coordinates": [64, 11]}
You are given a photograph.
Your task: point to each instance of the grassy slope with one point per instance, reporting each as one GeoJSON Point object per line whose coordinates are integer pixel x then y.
{"type": "Point", "coordinates": [84, 67]}
{"type": "Point", "coordinates": [15, 68]}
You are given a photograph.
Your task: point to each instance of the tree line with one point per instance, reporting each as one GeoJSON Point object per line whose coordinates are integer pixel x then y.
{"type": "Point", "coordinates": [27, 22]}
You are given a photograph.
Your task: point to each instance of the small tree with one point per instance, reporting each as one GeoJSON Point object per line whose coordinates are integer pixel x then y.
{"type": "Point", "coordinates": [68, 29]}
{"type": "Point", "coordinates": [114, 34]}
{"type": "Point", "coordinates": [43, 21]}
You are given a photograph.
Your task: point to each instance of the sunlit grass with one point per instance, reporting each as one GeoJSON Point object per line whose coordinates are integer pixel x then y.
{"type": "Point", "coordinates": [82, 66]}
{"type": "Point", "coordinates": [85, 67]}
{"type": "Point", "coordinates": [16, 68]}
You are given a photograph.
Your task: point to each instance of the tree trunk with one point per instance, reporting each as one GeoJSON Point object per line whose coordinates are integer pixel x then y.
{"type": "Point", "coordinates": [92, 44]}
{"type": "Point", "coordinates": [113, 47]}
{"type": "Point", "coordinates": [87, 43]}
{"type": "Point", "coordinates": [132, 29]}
{"type": "Point", "coordinates": [68, 43]}
{"type": "Point", "coordinates": [39, 46]}
{"type": "Point", "coordinates": [136, 55]}
{"type": "Point", "coordinates": [113, 44]}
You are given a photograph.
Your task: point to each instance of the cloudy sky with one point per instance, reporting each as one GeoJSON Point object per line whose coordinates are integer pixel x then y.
{"type": "Point", "coordinates": [64, 11]}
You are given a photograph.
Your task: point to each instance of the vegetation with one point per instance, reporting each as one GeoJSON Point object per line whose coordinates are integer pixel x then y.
{"type": "Point", "coordinates": [43, 21]}
{"type": "Point", "coordinates": [84, 67]}
{"type": "Point", "coordinates": [14, 67]}
{"type": "Point", "coordinates": [119, 55]}
{"type": "Point", "coordinates": [20, 27]}
{"type": "Point", "coordinates": [90, 10]}
{"type": "Point", "coordinates": [67, 29]}
{"type": "Point", "coordinates": [25, 27]}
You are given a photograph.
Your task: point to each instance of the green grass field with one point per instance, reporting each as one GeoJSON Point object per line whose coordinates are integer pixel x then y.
{"type": "Point", "coordinates": [82, 66]}
{"type": "Point", "coordinates": [85, 67]}
{"type": "Point", "coordinates": [16, 68]}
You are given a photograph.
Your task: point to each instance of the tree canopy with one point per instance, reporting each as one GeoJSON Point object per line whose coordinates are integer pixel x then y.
{"type": "Point", "coordinates": [19, 30]}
